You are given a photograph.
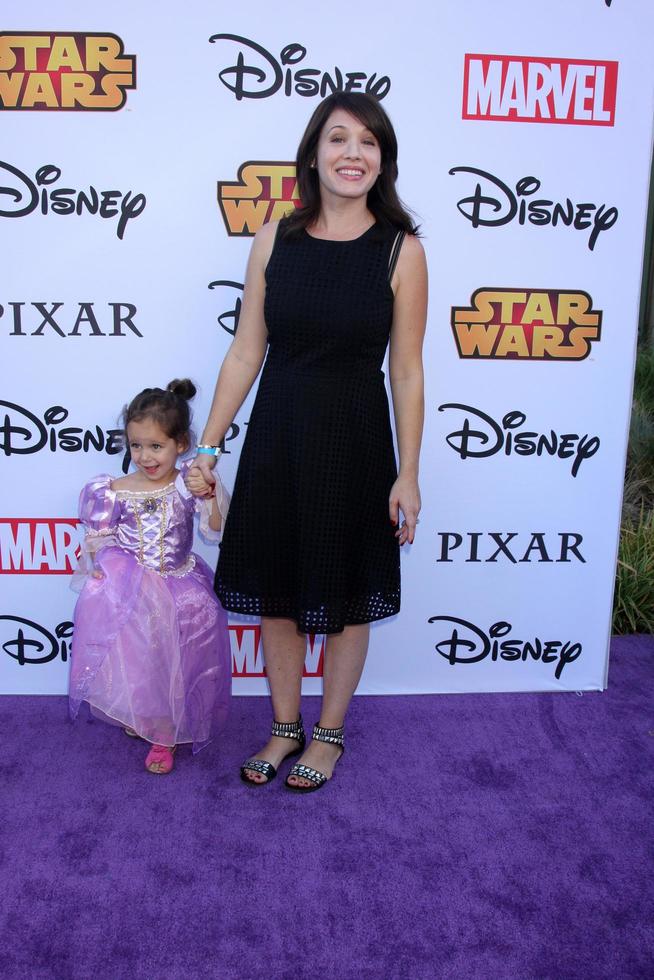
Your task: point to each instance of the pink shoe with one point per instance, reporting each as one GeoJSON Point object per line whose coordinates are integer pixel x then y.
{"type": "Point", "coordinates": [159, 759]}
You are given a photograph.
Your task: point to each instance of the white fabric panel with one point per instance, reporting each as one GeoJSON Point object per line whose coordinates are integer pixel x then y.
{"type": "Point", "coordinates": [153, 317]}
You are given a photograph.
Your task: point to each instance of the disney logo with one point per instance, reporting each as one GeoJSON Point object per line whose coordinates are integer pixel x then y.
{"type": "Point", "coordinates": [492, 437]}
{"type": "Point", "coordinates": [23, 433]}
{"type": "Point", "coordinates": [262, 75]}
{"type": "Point", "coordinates": [23, 197]}
{"type": "Point", "coordinates": [230, 294]}
{"type": "Point", "coordinates": [493, 203]}
{"type": "Point", "coordinates": [28, 643]}
{"type": "Point", "coordinates": [465, 643]}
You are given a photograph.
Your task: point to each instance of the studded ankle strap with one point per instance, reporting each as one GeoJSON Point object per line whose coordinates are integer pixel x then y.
{"type": "Point", "coordinates": [333, 735]}
{"type": "Point", "coordinates": [289, 729]}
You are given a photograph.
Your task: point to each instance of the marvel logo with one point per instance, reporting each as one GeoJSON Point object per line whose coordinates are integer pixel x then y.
{"type": "Point", "coordinates": [546, 90]}
{"type": "Point", "coordinates": [39, 546]}
{"type": "Point", "coordinates": [247, 652]}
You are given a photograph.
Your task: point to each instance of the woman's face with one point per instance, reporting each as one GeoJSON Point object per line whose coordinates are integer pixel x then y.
{"type": "Point", "coordinates": [348, 157]}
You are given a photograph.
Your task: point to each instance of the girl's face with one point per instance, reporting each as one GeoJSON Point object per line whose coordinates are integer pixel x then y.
{"type": "Point", "coordinates": [153, 452]}
{"type": "Point", "coordinates": [348, 157]}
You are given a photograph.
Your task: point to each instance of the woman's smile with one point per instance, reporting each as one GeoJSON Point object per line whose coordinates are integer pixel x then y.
{"type": "Point", "coordinates": [350, 173]}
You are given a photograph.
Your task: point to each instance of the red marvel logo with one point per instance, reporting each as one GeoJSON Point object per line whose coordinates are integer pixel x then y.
{"type": "Point", "coordinates": [39, 545]}
{"type": "Point", "coordinates": [546, 90]}
{"type": "Point", "coordinates": [247, 652]}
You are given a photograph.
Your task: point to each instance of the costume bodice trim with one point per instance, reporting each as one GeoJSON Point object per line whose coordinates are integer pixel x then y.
{"type": "Point", "coordinates": [144, 494]}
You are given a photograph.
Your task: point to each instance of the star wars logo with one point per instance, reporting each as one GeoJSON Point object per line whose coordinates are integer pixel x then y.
{"type": "Point", "coordinates": [264, 191]}
{"type": "Point", "coordinates": [55, 71]}
{"type": "Point", "coordinates": [526, 324]}
{"type": "Point", "coordinates": [39, 546]}
{"type": "Point", "coordinates": [542, 90]}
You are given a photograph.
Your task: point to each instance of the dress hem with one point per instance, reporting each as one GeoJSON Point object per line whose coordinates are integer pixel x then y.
{"type": "Point", "coordinates": [349, 621]}
{"type": "Point", "coordinates": [107, 719]}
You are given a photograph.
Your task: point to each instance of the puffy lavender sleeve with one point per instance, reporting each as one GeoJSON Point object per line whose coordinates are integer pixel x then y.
{"type": "Point", "coordinates": [98, 510]}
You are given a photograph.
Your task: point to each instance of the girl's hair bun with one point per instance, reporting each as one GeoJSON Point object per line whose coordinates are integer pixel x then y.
{"type": "Point", "coordinates": [169, 409]}
{"type": "Point", "coordinates": [182, 387]}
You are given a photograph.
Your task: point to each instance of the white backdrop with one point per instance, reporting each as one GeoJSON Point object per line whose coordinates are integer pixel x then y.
{"type": "Point", "coordinates": [509, 584]}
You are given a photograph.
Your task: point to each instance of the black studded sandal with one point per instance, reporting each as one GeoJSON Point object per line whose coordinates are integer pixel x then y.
{"type": "Point", "coordinates": [282, 729]}
{"type": "Point", "coordinates": [318, 779]}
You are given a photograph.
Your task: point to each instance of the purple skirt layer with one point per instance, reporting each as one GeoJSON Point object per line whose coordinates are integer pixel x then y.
{"type": "Point", "coordinates": [150, 652]}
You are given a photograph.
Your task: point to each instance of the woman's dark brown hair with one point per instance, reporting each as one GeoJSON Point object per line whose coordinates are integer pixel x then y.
{"type": "Point", "coordinates": [383, 200]}
{"type": "Point", "coordinates": [169, 409]}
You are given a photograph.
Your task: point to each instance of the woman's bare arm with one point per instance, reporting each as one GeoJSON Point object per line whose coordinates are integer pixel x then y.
{"type": "Point", "coordinates": [407, 380]}
{"type": "Point", "coordinates": [245, 356]}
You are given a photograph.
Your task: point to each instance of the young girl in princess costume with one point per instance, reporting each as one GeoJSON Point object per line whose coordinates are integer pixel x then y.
{"type": "Point", "coordinates": [151, 648]}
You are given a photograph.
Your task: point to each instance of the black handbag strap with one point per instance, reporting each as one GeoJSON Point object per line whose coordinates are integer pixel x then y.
{"type": "Point", "coordinates": [395, 253]}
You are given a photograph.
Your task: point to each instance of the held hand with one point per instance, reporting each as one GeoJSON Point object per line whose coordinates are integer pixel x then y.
{"type": "Point", "coordinates": [405, 497]}
{"type": "Point", "coordinates": [205, 463]}
{"type": "Point", "coordinates": [196, 483]}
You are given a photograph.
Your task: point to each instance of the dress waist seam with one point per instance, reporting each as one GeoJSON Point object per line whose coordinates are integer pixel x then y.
{"type": "Point", "coordinates": [187, 565]}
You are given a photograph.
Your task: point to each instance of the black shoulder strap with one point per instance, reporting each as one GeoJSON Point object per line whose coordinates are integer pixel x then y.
{"type": "Point", "coordinates": [395, 253]}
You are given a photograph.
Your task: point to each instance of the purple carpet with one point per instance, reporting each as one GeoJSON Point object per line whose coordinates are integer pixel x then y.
{"type": "Point", "coordinates": [463, 836]}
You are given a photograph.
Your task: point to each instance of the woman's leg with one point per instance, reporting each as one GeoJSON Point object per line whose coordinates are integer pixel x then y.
{"type": "Point", "coordinates": [284, 651]}
{"type": "Point", "coordinates": [345, 657]}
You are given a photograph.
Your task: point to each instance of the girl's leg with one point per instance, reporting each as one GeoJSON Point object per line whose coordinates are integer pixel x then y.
{"type": "Point", "coordinates": [345, 657]}
{"type": "Point", "coordinates": [284, 651]}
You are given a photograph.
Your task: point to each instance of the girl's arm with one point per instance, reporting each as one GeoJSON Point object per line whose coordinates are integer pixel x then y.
{"type": "Point", "coordinates": [99, 513]}
{"type": "Point", "coordinates": [215, 517]}
{"type": "Point", "coordinates": [245, 356]}
{"type": "Point", "coordinates": [407, 381]}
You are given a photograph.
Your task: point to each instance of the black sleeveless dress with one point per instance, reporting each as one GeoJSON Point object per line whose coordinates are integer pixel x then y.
{"type": "Point", "coordinates": [308, 536]}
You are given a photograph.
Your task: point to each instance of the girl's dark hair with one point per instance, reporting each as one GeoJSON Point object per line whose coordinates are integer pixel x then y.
{"type": "Point", "coordinates": [383, 199]}
{"type": "Point", "coordinates": [169, 408]}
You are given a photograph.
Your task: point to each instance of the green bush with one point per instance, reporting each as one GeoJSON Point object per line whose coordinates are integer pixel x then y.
{"type": "Point", "coordinates": [639, 475]}
{"type": "Point", "coordinates": [644, 378]}
{"type": "Point", "coordinates": [633, 607]}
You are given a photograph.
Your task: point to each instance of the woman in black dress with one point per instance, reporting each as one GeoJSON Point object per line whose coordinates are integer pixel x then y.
{"type": "Point", "coordinates": [311, 543]}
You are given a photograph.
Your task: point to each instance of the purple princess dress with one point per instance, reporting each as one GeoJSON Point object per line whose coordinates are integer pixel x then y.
{"type": "Point", "coordinates": [151, 647]}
